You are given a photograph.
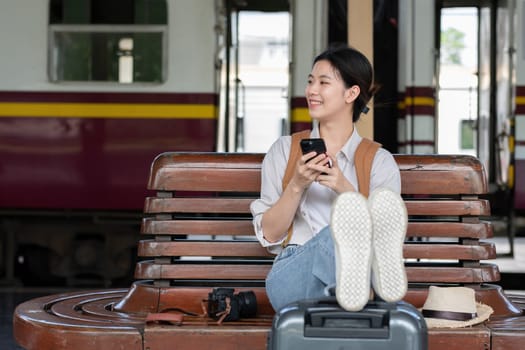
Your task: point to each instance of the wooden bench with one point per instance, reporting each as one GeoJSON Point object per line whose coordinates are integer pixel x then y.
{"type": "Point", "coordinates": [198, 235]}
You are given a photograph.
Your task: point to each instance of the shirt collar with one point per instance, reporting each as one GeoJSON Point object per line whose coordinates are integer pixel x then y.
{"type": "Point", "coordinates": [349, 147]}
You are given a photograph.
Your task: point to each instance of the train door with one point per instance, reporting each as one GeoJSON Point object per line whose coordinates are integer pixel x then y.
{"type": "Point", "coordinates": [504, 32]}
{"type": "Point", "coordinates": [496, 86]}
{"type": "Point", "coordinates": [475, 83]}
{"type": "Point", "coordinates": [254, 108]}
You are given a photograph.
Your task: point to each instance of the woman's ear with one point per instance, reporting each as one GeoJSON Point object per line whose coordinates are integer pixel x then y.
{"type": "Point", "coordinates": [351, 93]}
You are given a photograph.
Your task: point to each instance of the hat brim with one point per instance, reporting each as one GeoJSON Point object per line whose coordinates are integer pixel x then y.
{"type": "Point", "coordinates": [483, 311]}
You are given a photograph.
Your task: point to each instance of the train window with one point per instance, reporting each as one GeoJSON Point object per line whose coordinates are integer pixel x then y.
{"type": "Point", "coordinates": [458, 81]}
{"type": "Point", "coordinates": [118, 41]}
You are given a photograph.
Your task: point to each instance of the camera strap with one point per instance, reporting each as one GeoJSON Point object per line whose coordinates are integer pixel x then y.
{"type": "Point", "coordinates": [172, 315]}
{"type": "Point", "coordinates": [176, 315]}
{"type": "Point", "coordinates": [165, 317]}
{"type": "Point", "coordinates": [363, 159]}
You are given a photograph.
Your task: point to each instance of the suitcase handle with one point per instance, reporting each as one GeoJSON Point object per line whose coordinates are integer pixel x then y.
{"type": "Point", "coordinates": [343, 324]}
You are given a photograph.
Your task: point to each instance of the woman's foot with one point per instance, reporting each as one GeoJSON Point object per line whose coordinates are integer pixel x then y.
{"type": "Point", "coordinates": [351, 228]}
{"type": "Point", "coordinates": [389, 220]}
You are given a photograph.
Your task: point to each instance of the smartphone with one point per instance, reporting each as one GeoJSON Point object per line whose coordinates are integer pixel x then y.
{"type": "Point", "coordinates": [310, 145]}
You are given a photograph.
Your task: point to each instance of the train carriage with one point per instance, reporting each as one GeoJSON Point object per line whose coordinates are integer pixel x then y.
{"type": "Point", "coordinates": [93, 90]}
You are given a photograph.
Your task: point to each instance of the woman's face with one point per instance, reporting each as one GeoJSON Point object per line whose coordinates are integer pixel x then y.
{"type": "Point", "coordinates": [326, 93]}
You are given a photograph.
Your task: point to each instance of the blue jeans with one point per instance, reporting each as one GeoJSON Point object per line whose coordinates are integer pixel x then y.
{"type": "Point", "coordinates": [302, 272]}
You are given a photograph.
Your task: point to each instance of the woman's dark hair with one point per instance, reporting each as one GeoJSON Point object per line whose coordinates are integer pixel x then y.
{"type": "Point", "coordinates": [354, 69]}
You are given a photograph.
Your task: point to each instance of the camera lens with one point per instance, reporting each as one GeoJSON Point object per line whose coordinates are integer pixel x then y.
{"type": "Point", "coordinates": [247, 303]}
{"type": "Point", "coordinates": [221, 300]}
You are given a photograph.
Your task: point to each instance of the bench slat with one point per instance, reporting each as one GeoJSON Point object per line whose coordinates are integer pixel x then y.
{"type": "Point", "coordinates": [442, 174]}
{"type": "Point", "coordinates": [152, 226]}
{"type": "Point", "coordinates": [180, 171]}
{"type": "Point", "coordinates": [197, 227]}
{"type": "Point", "coordinates": [150, 248]}
{"type": "Point", "coordinates": [446, 273]}
{"type": "Point", "coordinates": [149, 270]}
{"type": "Point", "coordinates": [209, 179]}
{"type": "Point", "coordinates": [485, 273]}
{"type": "Point", "coordinates": [479, 230]}
{"type": "Point", "coordinates": [154, 205]}
{"type": "Point", "coordinates": [483, 251]}
{"type": "Point", "coordinates": [478, 207]}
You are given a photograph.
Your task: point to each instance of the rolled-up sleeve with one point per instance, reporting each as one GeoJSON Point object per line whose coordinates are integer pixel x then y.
{"type": "Point", "coordinates": [272, 172]}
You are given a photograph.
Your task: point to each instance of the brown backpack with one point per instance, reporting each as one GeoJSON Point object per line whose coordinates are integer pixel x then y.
{"type": "Point", "coordinates": [364, 156]}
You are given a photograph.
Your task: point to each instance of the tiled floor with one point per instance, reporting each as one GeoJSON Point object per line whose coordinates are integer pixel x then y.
{"type": "Point", "coordinates": [12, 296]}
{"type": "Point", "coordinates": [9, 298]}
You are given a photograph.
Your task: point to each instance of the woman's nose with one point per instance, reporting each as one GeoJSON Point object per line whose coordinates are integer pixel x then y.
{"type": "Point", "coordinates": [311, 90]}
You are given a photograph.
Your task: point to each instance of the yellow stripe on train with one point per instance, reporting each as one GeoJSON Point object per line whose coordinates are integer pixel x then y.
{"type": "Point", "coordinates": [300, 115]}
{"type": "Point", "coordinates": [520, 100]}
{"type": "Point", "coordinates": [107, 110]}
{"type": "Point", "coordinates": [416, 101]}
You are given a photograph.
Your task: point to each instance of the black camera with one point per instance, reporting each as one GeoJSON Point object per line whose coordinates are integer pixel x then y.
{"type": "Point", "coordinates": [223, 301]}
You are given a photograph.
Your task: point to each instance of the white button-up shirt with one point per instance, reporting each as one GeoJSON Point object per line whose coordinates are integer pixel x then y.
{"type": "Point", "coordinates": [314, 209]}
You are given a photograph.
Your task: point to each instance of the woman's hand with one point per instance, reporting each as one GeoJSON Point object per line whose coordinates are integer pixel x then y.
{"type": "Point", "coordinates": [305, 172]}
{"type": "Point", "coordinates": [331, 177]}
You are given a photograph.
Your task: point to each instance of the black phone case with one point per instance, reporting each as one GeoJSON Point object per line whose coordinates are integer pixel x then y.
{"type": "Point", "coordinates": [309, 145]}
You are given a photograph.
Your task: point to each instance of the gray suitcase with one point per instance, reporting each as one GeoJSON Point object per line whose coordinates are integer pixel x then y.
{"type": "Point", "coordinates": [323, 324]}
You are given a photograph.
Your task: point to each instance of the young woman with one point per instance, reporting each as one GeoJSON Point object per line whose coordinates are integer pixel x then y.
{"type": "Point", "coordinates": [318, 256]}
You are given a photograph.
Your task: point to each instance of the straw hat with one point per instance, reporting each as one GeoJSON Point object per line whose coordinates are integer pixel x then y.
{"type": "Point", "coordinates": [453, 307]}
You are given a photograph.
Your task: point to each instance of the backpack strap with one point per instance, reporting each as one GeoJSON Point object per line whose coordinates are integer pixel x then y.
{"type": "Point", "coordinates": [363, 159]}
{"type": "Point", "coordinates": [295, 154]}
